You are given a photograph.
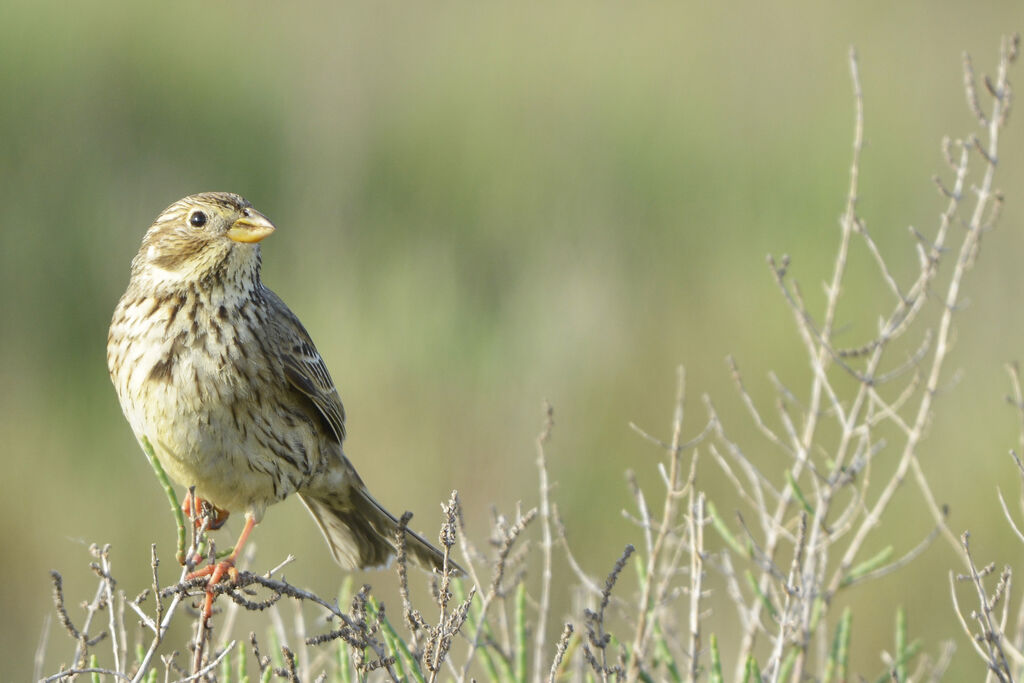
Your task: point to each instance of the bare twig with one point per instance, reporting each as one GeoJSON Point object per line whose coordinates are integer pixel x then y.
{"type": "Point", "coordinates": [546, 546]}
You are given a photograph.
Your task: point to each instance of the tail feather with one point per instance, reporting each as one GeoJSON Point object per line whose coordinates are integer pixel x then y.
{"type": "Point", "coordinates": [362, 534]}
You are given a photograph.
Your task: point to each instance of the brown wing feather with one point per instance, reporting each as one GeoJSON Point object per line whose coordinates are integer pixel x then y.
{"type": "Point", "coordinates": [303, 365]}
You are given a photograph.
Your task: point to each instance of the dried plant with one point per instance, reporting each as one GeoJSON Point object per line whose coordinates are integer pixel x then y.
{"type": "Point", "coordinates": [796, 538]}
{"type": "Point", "coordinates": [999, 643]}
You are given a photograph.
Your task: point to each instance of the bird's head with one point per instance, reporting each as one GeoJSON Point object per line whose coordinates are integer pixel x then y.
{"type": "Point", "coordinates": [207, 235]}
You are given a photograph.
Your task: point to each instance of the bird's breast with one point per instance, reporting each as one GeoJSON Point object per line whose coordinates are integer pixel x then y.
{"type": "Point", "coordinates": [195, 376]}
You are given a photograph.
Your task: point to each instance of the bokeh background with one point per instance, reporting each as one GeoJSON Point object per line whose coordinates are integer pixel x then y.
{"type": "Point", "coordinates": [481, 206]}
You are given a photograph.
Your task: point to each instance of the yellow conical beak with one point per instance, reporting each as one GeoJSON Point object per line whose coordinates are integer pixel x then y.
{"type": "Point", "coordinates": [251, 228]}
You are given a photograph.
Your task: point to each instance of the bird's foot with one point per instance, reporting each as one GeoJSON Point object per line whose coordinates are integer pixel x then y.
{"type": "Point", "coordinates": [193, 509]}
{"type": "Point", "coordinates": [215, 572]}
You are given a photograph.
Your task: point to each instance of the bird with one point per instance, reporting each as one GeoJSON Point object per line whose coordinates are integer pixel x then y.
{"type": "Point", "coordinates": [215, 373]}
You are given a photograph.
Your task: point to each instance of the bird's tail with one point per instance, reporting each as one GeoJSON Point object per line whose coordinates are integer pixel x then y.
{"type": "Point", "coordinates": [362, 534]}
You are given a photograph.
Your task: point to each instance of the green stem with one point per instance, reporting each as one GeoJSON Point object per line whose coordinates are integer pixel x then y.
{"type": "Point", "coordinates": [172, 497]}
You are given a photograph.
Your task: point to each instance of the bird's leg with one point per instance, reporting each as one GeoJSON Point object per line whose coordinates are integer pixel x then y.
{"type": "Point", "coordinates": [226, 566]}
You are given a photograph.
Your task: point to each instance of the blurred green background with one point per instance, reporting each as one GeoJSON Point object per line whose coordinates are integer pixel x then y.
{"type": "Point", "coordinates": [481, 206]}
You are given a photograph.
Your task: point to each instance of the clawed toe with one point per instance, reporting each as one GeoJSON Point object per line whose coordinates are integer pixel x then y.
{"type": "Point", "coordinates": [192, 506]}
{"type": "Point", "coordinates": [216, 570]}
{"type": "Point", "coordinates": [216, 573]}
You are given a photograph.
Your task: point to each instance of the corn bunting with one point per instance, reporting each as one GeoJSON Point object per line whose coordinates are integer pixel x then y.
{"type": "Point", "coordinates": [222, 379]}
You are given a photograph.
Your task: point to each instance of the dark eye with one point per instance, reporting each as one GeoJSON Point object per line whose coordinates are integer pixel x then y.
{"type": "Point", "coordinates": [197, 219]}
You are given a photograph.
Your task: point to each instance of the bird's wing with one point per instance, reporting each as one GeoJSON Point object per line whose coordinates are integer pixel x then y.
{"type": "Point", "coordinates": [303, 365]}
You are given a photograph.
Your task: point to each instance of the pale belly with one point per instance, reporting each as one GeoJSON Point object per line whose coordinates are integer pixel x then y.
{"type": "Point", "coordinates": [225, 429]}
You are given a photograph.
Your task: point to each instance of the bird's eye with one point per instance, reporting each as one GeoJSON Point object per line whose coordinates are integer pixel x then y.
{"type": "Point", "coordinates": [197, 219]}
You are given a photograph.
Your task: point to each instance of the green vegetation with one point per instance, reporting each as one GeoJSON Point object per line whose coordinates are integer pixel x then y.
{"type": "Point", "coordinates": [482, 207]}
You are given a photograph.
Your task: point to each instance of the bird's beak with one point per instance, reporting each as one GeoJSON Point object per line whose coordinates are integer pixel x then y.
{"type": "Point", "coordinates": [251, 228]}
